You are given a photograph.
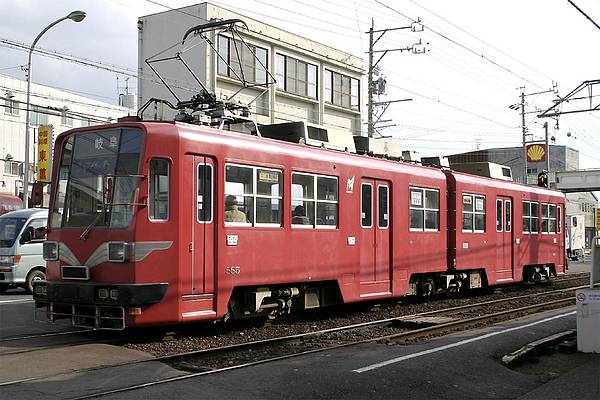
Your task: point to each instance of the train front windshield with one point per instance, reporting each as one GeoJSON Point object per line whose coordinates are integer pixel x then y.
{"type": "Point", "coordinates": [98, 179]}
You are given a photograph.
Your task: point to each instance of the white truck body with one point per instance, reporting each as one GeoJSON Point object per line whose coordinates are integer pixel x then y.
{"type": "Point", "coordinates": [575, 236]}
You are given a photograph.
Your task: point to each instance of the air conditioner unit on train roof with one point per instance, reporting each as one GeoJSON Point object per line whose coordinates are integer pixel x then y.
{"type": "Point", "coordinates": [378, 147]}
{"type": "Point", "coordinates": [310, 134]}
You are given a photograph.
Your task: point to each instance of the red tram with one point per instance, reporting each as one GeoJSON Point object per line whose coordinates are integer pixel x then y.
{"type": "Point", "coordinates": [164, 223]}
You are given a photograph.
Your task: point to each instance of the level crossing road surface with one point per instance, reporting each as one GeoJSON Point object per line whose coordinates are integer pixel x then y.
{"type": "Point", "coordinates": [16, 315]}
{"type": "Point", "coordinates": [464, 365]}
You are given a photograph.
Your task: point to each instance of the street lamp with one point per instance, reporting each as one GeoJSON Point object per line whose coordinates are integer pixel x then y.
{"type": "Point", "coordinates": [76, 16]}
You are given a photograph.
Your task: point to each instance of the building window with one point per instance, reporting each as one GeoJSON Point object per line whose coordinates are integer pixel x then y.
{"type": "Point", "coordinates": [65, 119]}
{"type": "Point", "coordinates": [241, 62]}
{"type": "Point", "coordinates": [473, 213]}
{"type": "Point", "coordinates": [549, 218]}
{"type": "Point", "coordinates": [342, 90]}
{"type": "Point", "coordinates": [13, 168]}
{"type": "Point", "coordinates": [424, 209]}
{"type": "Point", "coordinates": [314, 200]}
{"type": "Point", "coordinates": [295, 76]}
{"type": "Point", "coordinates": [159, 190]}
{"type": "Point", "coordinates": [253, 196]}
{"type": "Point", "coordinates": [37, 118]}
{"type": "Point", "coordinates": [531, 219]}
{"type": "Point", "coordinates": [11, 106]}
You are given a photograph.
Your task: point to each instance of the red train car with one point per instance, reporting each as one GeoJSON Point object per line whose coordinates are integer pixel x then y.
{"type": "Point", "coordinates": [162, 223]}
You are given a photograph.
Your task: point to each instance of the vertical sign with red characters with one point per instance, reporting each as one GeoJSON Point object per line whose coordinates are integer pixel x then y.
{"type": "Point", "coordinates": [44, 161]}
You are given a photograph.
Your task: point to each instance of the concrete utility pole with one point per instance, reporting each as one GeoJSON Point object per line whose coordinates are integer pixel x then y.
{"type": "Point", "coordinates": [370, 83]}
{"type": "Point", "coordinates": [417, 48]}
{"type": "Point", "coordinates": [547, 148]}
{"type": "Point", "coordinates": [521, 106]}
{"type": "Point", "coordinates": [524, 129]}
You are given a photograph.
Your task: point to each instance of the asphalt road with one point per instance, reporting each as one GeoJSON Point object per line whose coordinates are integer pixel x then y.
{"type": "Point", "coordinates": [462, 366]}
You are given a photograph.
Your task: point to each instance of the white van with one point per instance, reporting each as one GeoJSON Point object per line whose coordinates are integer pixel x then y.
{"type": "Point", "coordinates": [22, 234]}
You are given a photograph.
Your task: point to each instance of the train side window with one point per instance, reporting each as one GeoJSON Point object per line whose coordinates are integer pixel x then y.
{"type": "Point", "coordinates": [303, 200]}
{"type": "Point", "coordinates": [269, 197]}
{"type": "Point", "coordinates": [498, 215]}
{"type": "Point", "coordinates": [159, 190]}
{"type": "Point", "coordinates": [314, 201]}
{"type": "Point", "coordinates": [366, 205]}
{"type": "Point", "coordinates": [545, 218]}
{"type": "Point", "coordinates": [531, 219]}
{"type": "Point", "coordinates": [552, 220]}
{"type": "Point", "coordinates": [424, 209]}
{"type": "Point", "coordinates": [204, 195]}
{"type": "Point", "coordinates": [239, 195]}
{"type": "Point", "coordinates": [473, 213]}
{"type": "Point", "coordinates": [383, 207]}
{"type": "Point", "coordinates": [508, 219]}
{"type": "Point", "coordinates": [327, 202]}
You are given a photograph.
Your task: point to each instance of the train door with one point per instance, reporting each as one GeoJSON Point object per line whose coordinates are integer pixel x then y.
{"type": "Point", "coordinates": [375, 262]}
{"type": "Point", "coordinates": [504, 239]}
{"type": "Point", "coordinates": [202, 245]}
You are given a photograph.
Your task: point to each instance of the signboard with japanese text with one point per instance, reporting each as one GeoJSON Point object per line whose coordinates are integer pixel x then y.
{"type": "Point", "coordinates": [44, 156]}
{"type": "Point", "coordinates": [597, 219]}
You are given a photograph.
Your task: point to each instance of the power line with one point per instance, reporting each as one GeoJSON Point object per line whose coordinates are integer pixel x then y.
{"type": "Point", "coordinates": [464, 47]}
{"type": "Point", "coordinates": [480, 40]}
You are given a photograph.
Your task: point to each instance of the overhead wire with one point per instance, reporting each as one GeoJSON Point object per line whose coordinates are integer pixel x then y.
{"type": "Point", "coordinates": [464, 47]}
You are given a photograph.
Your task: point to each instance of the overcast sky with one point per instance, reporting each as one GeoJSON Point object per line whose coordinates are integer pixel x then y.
{"type": "Point", "coordinates": [479, 54]}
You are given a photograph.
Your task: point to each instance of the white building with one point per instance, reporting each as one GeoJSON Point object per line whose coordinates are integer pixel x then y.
{"type": "Point", "coordinates": [314, 82]}
{"type": "Point", "coordinates": [60, 109]}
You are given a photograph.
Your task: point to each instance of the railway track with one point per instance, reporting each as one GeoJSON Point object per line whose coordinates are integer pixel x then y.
{"type": "Point", "coordinates": [107, 338]}
{"type": "Point", "coordinates": [391, 330]}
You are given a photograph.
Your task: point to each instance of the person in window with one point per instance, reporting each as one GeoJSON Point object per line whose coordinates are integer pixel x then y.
{"type": "Point", "coordinates": [299, 216]}
{"type": "Point", "coordinates": [232, 214]}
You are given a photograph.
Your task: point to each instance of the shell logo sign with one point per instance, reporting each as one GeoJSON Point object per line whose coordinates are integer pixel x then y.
{"type": "Point", "coordinates": [536, 153]}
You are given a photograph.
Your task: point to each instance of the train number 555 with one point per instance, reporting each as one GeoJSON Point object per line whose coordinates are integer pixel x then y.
{"type": "Point", "coordinates": [233, 270]}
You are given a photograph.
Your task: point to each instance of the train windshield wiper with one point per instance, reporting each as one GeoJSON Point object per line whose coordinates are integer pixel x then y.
{"type": "Point", "coordinates": [89, 227]}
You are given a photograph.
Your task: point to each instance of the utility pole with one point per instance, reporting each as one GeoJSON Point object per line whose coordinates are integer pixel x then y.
{"type": "Point", "coordinates": [521, 105]}
{"type": "Point", "coordinates": [370, 83]}
{"type": "Point", "coordinates": [524, 129]}
{"type": "Point", "coordinates": [547, 148]}
{"type": "Point", "coordinates": [417, 48]}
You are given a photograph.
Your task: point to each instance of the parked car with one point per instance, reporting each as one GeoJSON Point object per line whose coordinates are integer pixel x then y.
{"type": "Point", "coordinates": [22, 234]}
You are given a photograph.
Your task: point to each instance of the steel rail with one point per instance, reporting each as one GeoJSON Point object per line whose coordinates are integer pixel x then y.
{"type": "Point", "coordinates": [402, 335]}
{"type": "Point", "coordinates": [281, 339]}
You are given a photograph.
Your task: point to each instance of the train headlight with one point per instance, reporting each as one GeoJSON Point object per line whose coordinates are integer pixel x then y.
{"type": "Point", "coordinates": [119, 251]}
{"type": "Point", "coordinates": [50, 251]}
{"type": "Point", "coordinates": [103, 294]}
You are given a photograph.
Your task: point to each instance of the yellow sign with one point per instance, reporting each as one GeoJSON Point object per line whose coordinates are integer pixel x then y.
{"type": "Point", "coordinates": [597, 219]}
{"type": "Point", "coordinates": [536, 153]}
{"type": "Point", "coordinates": [44, 160]}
